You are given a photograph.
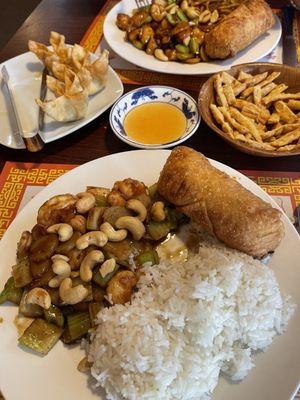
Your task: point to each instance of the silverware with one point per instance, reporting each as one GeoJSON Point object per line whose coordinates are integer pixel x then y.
{"type": "Point", "coordinates": [33, 142]}
{"type": "Point", "coordinates": [142, 3]}
{"type": "Point", "coordinates": [288, 40]}
{"type": "Point", "coordinates": [43, 93]}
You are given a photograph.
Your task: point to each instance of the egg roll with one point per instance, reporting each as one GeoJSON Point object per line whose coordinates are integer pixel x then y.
{"type": "Point", "coordinates": [220, 204]}
{"type": "Point", "coordinates": [239, 29]}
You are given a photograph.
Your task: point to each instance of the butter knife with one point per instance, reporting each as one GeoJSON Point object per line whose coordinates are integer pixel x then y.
{"type": "Point", "coordinates": [32, 141]}
{"type": "Point", "coordinates": [288, 40]}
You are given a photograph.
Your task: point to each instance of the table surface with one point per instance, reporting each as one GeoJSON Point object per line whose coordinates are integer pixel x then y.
{"type": "Point", "coordinates": [72, 18]}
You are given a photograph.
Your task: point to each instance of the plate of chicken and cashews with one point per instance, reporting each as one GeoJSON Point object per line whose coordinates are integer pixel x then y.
{"type": "Point", "coordinates": [192, 37]}
{"type": "Point", "coordinates": [75, 253]}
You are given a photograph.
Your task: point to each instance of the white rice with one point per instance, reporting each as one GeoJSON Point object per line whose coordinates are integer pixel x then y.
{"type": "Point", "coordinates": [187, 323]}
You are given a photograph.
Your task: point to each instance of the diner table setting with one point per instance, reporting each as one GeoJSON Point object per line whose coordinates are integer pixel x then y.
{"type": "Point", "coordinates": [189, 112]}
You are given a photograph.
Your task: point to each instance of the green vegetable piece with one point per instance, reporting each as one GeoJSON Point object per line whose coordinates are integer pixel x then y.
{"type": "Point", "coordinates": [149, 256]}
{"type": "Point", "coordinates": [158, 230]}
{"type": "Point", "coordinates": [10, 292]}
{"type": "Point", "coordinates": [30, 310]}
{"type": "Point", "coordinates": [138, 44]}
{"type": "Point", "coordinates": [54, 316]}
{"type": "Point", "coordinates": [101, 201]}
{"type": "Point", "coordinates": [184, 56]}
{"type": "Point", "coordinates": [78, 325]}
{"type": "Point", "coordinates": [21, 273]}
{"type": "Point", "coordinates": [181, 15]}
{"type": "Point", "coordinates": [171, 19]}
{"type": "Point", "coordinates": [41, 336]}
{"type": "Point", "coordinates": [94, 308]}
{"type": "Point", "coordinates": [181, 48]}
{"type": "Point", "coordinates": [102, 282]}
{"type": "Point", "coordinates": [172, 217]}
{"type": "Point", "coordinates": [171, 2]}
{"type": "Point", "coordinates": [194, 46]}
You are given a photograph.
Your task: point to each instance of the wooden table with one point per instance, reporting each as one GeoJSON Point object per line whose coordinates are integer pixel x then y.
{"type": "Point", "coordinates": [72, 18]}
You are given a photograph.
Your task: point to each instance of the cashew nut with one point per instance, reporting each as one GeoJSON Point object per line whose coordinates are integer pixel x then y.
{"type": "Point", "coordinates": [107, 267]}
{"type": "Point", "coordinates": [138, 207]}
{"type": "Point", "coordinates": [64, 231]}
{"type": "Point", "coordinates": [184, 5]}
{"type": "Point", "coordinates": [192, 13]}
{"type": "Point", "coordinates": [78, 223]}
{"type": "Point", "coordinates": [214, 16]}
{"type": "Point", "coordinates": [160, 55]}
{"type": "Point", "coordinates": [61, 268]}
{"type": "Point", "coordinates": [96, 238]}
{"type": "Point", "coordinates": [157, 211]}
{"type": "Point", "coordinates": [85, 202]}
{"type": "Point", "coordinates": [74, 274]}
{"type": "Point", "coordinates": [59, 257]}
{"type": "Point", "coordinates": [38, 296]}
{"type": "Point", "coordinates": [205, 16]}
{"type": "Point", "coordinates": [72, 295]}
{"type": "Point", "coordinates": [133, 225]}
{"type": "Point", "coordinates": [112, 234]}
{"type": "Point", "coordinates": [88, 263]}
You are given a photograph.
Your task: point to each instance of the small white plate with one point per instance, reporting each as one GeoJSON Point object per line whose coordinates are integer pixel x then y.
{"type": "Point", "coordinates": [154, 94]}
{"type": "Point", "coordinates": [25, 76]}
{"type": "Point", "coordinates": [116, 40]}
{"type": "Point", "coordinates": [27, 376]}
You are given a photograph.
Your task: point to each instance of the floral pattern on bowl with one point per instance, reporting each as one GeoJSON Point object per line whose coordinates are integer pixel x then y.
{"type": "Point", "coordinates": [162, 94]}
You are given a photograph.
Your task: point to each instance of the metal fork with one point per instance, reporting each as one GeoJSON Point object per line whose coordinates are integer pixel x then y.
{"type": "Point", "coordinates": [142, 3]}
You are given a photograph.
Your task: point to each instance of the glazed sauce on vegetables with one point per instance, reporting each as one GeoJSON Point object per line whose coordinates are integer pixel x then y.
{"type": "Point", "coordinates": [155, 123]}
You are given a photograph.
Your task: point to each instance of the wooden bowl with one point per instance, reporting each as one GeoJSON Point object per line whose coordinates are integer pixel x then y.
{"type": "Point", "coordinates": [289, 75]}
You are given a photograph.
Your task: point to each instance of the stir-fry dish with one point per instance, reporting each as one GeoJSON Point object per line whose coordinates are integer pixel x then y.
{"type": "Point", "coordinates": [84, 254]}
{"type": "Point", "coordinates": [174, 30]}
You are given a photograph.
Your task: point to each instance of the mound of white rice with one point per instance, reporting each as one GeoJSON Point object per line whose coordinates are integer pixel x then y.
{"type": "Point", "coordinates": [186, 324]}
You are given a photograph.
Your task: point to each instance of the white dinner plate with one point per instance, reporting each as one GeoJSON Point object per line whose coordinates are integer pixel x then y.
{"type": "Point", "coordinates": [25, 76]}
{"type": "Point", "coordinates": [26, 376]}
{"type": "Point", "coordinates": [116, 40]}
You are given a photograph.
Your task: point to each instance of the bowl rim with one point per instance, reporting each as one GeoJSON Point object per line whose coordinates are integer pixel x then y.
{"type": "Point", "coordinates": [203, 104]}
{"type": "Point", "coordinates": [140, 145]}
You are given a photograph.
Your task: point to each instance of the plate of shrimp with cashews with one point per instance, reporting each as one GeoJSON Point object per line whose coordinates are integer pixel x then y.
{"type": "Point", "coordinates": [83, 254]}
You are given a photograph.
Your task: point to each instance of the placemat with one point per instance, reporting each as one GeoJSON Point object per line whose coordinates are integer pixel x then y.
{"type": "Point", "coordinates": [20, 182]}
{"type": "Point", "coordinates": [94, 41]}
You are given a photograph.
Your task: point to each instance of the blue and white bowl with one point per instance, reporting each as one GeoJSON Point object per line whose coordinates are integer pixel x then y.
{"type": "Point", "coordinates": [161, 94]}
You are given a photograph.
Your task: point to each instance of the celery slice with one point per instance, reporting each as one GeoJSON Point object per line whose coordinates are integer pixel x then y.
{"type": "Point", "coordinates": [41, 336]}
{"type": "Point", "coordinates": [21, 273]}
{"type": "Point", "coordinates": [147, 257]}
{"type": "Point", "coordinates": [11, 292]}
{"type": "Point", "coordinates": [94, 308]}
{"type": "Point", "coordinates": [78, 325]}
{"type": "Point", "coordinates": [54, 316]}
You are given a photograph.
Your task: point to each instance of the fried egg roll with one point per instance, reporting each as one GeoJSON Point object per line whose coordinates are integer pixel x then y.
{"type": "Point", "coordinates": [239, 29]}
{"type": "Point", "coordinates": [220, 204]}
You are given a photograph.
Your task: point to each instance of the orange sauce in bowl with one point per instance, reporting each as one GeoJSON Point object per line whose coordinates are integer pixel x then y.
{"type": "Point", "coordinates": [155, 123]}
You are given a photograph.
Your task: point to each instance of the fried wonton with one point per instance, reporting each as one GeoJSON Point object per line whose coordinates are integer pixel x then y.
{"type": "Point", "coordinates": [72, 105]}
